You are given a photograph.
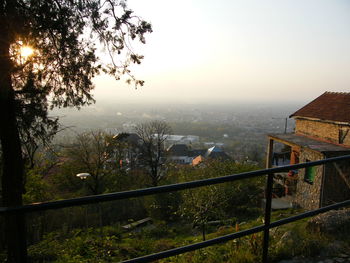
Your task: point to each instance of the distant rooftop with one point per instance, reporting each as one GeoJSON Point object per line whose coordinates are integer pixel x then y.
{"type": "Point", "coordinates": [216, 153]}
{"type": "Point", "coordinates": [127, 137]}
{"type": "Point", "coordinates": [178, 150]}
{"type": "Point", "coordinates": [331, 106]}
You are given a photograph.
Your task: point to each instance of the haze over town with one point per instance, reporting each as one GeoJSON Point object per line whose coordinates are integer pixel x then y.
{"type": "Point", "coordinates": [241, 67]}
{"type": "Point", "coordinates": [229, 51]}
{"type": "Point", "coordinates": [238, 64]}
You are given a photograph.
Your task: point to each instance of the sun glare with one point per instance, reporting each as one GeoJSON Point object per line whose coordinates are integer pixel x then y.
{"type": "Point", "coordinates": [26, 51]}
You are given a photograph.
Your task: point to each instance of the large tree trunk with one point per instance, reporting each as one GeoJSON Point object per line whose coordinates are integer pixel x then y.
{"type": "Point", "coordinates": [13, 167]}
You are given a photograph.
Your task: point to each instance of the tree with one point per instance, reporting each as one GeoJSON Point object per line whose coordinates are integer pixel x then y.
{"type": "Point", "coordinates": [126, 150]}
{"type": "Point", "coordinates": [153, 135]}
{"type": "Point", "coordinates": [62, 36]}
{"type": "Point", "coordinates": [220, 201]}
{"type": "Point", "coordinates": [201, 204]}
{"type": "Point", "coordinates": [90, 153]}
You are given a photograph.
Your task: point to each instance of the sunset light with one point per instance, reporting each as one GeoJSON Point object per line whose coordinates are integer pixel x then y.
{"type": "Point", "coordinates": [26, 51]}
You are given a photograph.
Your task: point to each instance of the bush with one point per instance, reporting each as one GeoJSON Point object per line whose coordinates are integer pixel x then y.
{"type": "Point", "coordinates": [164, 206]}
{"type": "Point", "coordinates": [297, 241]}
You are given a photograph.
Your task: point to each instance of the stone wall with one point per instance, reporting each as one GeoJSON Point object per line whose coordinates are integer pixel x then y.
{"type": "Point", "coordinates": [323, 130]}
{"type": "Point", "coordinates": [308, 195]}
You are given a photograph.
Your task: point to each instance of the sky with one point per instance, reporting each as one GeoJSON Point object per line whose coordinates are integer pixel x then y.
{"type": "Point", "coordinates": [226, 51]}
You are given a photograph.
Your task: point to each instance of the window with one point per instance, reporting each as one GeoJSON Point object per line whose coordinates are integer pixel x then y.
{"type": "Point", "coordinates": [310, 173]}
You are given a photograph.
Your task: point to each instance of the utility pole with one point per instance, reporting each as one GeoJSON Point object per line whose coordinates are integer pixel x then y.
{"type": "Point", "coordinates": [285, 123]}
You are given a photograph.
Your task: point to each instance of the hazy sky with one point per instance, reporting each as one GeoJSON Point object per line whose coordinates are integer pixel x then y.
{"type": "Point", "coordinates": [248, 50]}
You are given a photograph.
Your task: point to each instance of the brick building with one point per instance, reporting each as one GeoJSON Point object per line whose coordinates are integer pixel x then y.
{"type": "Point", "coordinates": [322, 131]}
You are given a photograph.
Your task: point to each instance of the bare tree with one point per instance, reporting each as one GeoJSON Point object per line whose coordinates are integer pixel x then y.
{"type": "Point", "coordinates": [153, 135]}
{"type": "Point", "coordinates": [90, 153]}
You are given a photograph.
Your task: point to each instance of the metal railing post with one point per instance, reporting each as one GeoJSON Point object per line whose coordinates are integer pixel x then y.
{"type": "Point", "coordinates": [17, 213]}
{"type": "Point", "coordinates": [16, 237]}
{"type": "Point", "coordinates": [23, 236]}
{"type": "Point", "coordinates": [267, 218]}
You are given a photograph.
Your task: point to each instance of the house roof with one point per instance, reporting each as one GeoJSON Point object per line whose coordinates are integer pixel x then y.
{"type": "Point", "coordinates": [178, 150]}
{"type": "Point", "coordinates": [331, 106]}
{"type": "Point", "coordinates": [197, 160]}
{"type": "Point", "coordinates": [216, 153]}
{"type": "Point", "coordinates": [213, 149]}
{"type": "Point", "coordinates": [292, 139]}
{"type": "Point", "coordinates": [195, 153]}
{"type": "Point", "coordinates": [132, 138]}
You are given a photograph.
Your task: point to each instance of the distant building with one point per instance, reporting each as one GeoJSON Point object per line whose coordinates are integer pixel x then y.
{"type": "Point", "coordinates": [130, 138]}
{"type": "Point", "coordinates": [196, 161]}
{"type": "Point", "coordinates": [181, 139]}
{"type": "Point", "coordinates": [179, 153]}
{"type": "Point", "coordinates": [182, 154]}
{"type": "Point", "coordinates": [322, 131]}
{"type": "Point", "coordinates": [216, 153]}
{"type": "Point", "coordinates": [213, 153]}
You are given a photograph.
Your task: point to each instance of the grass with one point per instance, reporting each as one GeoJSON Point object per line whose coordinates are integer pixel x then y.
{"type": "Point", "coordinates": [112, 244]}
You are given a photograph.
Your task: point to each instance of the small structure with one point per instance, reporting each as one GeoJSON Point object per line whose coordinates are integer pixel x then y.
{"type": "Point", "coordinates": [322, 131]}
{"type": "Point", "coordinates": [182, 154]}
{"type": "Point", "coordinates": [181, 139]}
{"type": "Point", "coordinates": [213, 153]}
{"type": "Point", "coordinates": [179, 153]}
{"type": "Point", "coordinates": [138, 223]}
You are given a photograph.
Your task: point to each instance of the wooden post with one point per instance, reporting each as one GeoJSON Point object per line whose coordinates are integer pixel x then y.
{"type": "Point", "coordinates": [269, 154]}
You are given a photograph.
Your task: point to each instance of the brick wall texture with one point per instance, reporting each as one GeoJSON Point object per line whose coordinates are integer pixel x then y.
{"type": "Point", "coordinates": [333, 133]}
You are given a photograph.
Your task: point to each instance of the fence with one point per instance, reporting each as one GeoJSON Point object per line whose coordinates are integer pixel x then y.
{"type": "Point", "coordinates": [21, 210]}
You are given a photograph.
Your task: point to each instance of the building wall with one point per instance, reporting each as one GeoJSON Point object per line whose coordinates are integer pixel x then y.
{"type": "Point", "coordinates": [308, 195]}
{"type": "Point", "coordinates": [335, 187]}
{"type": "Point", "coordinates": [326, 131]}
{"type": "Point", "coordinates": [181, 159]}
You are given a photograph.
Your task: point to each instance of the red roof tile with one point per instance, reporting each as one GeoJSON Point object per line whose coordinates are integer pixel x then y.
{"type": "Point", "coordinates": [331, 106]}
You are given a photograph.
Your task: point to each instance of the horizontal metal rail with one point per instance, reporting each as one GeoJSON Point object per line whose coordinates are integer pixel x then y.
{"type": "Point", "coordinates": [188, 248]}
{"type": "Point", "coordinates": [161, 189]}
{"type": "Point", "coordinates": [189, 185]}
{"type": "Point", "coordinates": [222, 239]}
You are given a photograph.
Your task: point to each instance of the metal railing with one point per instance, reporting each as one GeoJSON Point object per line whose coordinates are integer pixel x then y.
{"type": "Point", "coordinates": [194, 184]}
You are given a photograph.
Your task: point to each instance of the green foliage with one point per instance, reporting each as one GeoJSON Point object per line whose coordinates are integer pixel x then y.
{"type": "Point", "coordinates": [233, 251]}
{"type": "Point", "coordinates": [297, 240]}
{"type": "Point", "coordinates": [37, 189]}
{"type": "Point", "coordinates": [79, 248]}
{"type": "Point", "coordinates": [91, 245]}
{"type": "Point", "coordinates": [111, 244]}
{"type": "Point", "coordinates": [220, 201]}
{"type": "Point", "coordinates": [164, 206]}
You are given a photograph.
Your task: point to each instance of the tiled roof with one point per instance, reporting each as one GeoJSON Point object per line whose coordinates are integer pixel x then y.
{"type": "Point", "coordinates": [331, 106]}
